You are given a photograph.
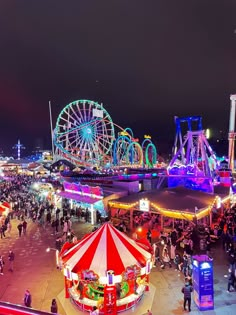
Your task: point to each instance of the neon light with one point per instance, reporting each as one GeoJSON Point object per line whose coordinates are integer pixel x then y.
{"type": "Point", "coordinates": [205, 265]}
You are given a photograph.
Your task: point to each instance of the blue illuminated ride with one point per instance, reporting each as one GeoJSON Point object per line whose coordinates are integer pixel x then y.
{"type": "Point", "coordinates": [84, 133]}
{"type": "Point", "coordinates": [128, 152]}
{"type": "Point", "coordinates": [150, 151]}
{"type": "Point", "coordinates": [85, 136]}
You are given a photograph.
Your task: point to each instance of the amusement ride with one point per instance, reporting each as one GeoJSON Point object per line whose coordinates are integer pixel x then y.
{"type": "Point", "coordinates": [86, 136]}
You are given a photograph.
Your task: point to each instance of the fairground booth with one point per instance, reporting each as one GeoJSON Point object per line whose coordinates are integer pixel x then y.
{"type": "Point", "coordinates": [106, 269]}
{"type": "Point", "coordinates": [86, 196]}
{"type": "Point", "coordinates": [177, 203]}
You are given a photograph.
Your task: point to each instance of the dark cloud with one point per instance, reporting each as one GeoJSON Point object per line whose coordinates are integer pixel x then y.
{"type": "Point", "coordinates": [146, 61]}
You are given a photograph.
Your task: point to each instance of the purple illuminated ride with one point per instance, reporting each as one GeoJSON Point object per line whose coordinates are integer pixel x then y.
{"type": "Point", "coordinates": [194, 164]}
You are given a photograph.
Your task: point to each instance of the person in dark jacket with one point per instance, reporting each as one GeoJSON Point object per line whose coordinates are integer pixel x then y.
{"type": "Point", "coordinates": [149, 236]}
{"type": "Point", "coordinates": [187, 290]}
{"type": "Point", "coordinates": [231, 281]}
{"type": "Point", "coordinates": [54, 306]}
{"type": "Point", "coordinates": [20, 228]}
{"type": "Point", "coordinates": [27, 298]}
{"type": "Point", "coordinates": [11, 258]}
{"type": "Point", "coordinates": [1, 265]}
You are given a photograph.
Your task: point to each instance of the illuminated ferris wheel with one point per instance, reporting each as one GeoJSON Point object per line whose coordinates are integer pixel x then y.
{"type": "Point", "coordinates": [84, 133]}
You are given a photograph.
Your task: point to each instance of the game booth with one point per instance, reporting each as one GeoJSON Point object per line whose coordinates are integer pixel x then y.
{"type": "Point", "coordinates": [106, 269]}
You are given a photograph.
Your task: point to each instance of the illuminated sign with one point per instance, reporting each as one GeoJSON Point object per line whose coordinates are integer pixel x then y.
{"type": "Point", "coordinates": [203, 284]}
{"type": "Point", "coordinates": [97, 113]}
{"type": "Point", "coordinates": [123, 133]}
{"type": "Point", "coordinates": [144, 205]}
{"type": "Point", "coordinates": [205, 265]}
{"type": "Point", "coordinates": [147, 137]}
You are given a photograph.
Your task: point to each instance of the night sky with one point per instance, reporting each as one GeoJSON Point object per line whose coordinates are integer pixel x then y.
{"type": "Point", "coordinates": [146, 61]}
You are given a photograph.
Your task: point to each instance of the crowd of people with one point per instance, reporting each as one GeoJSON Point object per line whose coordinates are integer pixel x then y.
{"type": "Point", "coordinates": [173, 250]}
{"type": "Point", "coordinates": [176, 248]}
{"type": "Point", "coordinates": [27, 205]}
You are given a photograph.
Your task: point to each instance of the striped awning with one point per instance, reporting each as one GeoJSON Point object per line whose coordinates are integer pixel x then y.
{"type": "Point", "coordinates": [105, 249]}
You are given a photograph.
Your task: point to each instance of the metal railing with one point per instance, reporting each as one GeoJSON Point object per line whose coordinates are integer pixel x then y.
{"type": "Point", "coordinates": [15, 309]}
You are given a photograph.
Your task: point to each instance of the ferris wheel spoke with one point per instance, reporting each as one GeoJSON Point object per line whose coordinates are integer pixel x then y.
{"type": "Point", "coordinates": [105, 143]}
{"type": "Point", "coordinates": [72, 143]}
{"type": "Point", "coordinates": [90, 112]}
{"type": "Point", "coordinates": [66, 124]}
{"type": "Point", "coordinates": [104, 147]}
{"type": "Point", "coordinates": [84, 110]}
{"type": "Point", "coordinates": [80, 113]}
{"type": "Point", "coordinates": [76, 115]}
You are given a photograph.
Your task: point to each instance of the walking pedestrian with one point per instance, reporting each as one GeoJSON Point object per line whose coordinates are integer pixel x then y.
{"type": "Point", "coordinates": [11, 258]}
{"type": "Point", "coordinates": [9, 228]}
{"type": "Point", "coordinates": [231, 282]}
{"type": "Point", "coordinates": [54, 307]}
{"type": "Point", "coordinates": [2, 263]}
{"type": "Point", "coordinates": [2, 231]}
{"type": "Point", "coordinates": [20, 227]}
{"type": "Point", "coordinates": [57, 225]}
{"type": "Point", "coordinates": [24, 225]}
{"type": "Point", "coordinates": [27, 298]}
{"type": "Point", "coordinates": [165, 257]}
{"type": "Point", "coordinates": [149, 236]}
{"type": "Point", "coordinates": [186, 290]}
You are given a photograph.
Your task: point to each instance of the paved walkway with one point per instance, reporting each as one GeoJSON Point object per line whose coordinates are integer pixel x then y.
{"type": "Point", "coordinates": [35, 269]}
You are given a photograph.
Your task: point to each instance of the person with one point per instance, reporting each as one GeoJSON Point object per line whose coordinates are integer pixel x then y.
{"type": "Point", "coordinates": [186, 290]}
{"type": "Point", "coordinates": [156, 250]}
{"type": "Point", "coordinates": [177, 262]}
{"type": "Point", "coordinates": [94, 311]}
{"type": "Point", "coordinates": [2, 231]}
{"type": "Point", "coordinates": [149, 312]}
{"type": "Point", "coordinates": [24, 225]}
{"type": "Point", "coordinates": [54, 306]}
{"type": "Point", "coordinates": [81, 289]}
{"type": "Point", "coordinates": [149, 236]}
{"type": "Point", "coordinates": [165, 257]}
{"type": "Point", "coordinates": [231, 281]}
{"type": "Point", "coordinates": [1, 265]}
{"type": "Point", "coordinates": [20, 227]}
{"type": "Point", "coordinates": [58, 243]}
{"type": "Point", "coordinates": [9, 228]}
{"type": "Point", "coordinates": [11, 257]}
{"type": "Point", "coordinates": [27, 298]}
{"type": "Point", "coordinates": [185, 265]}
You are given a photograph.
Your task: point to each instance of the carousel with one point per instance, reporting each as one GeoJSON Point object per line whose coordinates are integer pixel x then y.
{"type": "Point", "coordinates": [5, 208]}
{"type": "Point", "coordinates": [106, 269]}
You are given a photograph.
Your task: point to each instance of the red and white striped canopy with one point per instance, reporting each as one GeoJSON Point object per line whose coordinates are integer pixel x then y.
{"type": "Point", "coordinates": [5, 208]}
{"type": "Point", "coordinates": [105, 249]}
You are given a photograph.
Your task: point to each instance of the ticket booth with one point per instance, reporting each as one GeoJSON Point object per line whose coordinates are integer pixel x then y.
{"type": "Point", "coordinates": [203, 285]}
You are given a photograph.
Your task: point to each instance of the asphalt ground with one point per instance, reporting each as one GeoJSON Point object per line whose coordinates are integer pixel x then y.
{"type": "Point", "coordinates": [35, 269]}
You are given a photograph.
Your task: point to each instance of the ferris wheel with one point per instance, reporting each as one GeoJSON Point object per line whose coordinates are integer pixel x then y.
{"type": "Point", "coordinates": [84, 133]}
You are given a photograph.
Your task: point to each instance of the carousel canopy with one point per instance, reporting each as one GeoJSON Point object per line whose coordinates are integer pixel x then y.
{"type": "Point", "coordinates": [105, 249]}
{"type": "Point", "coordinates": [5, 208]}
